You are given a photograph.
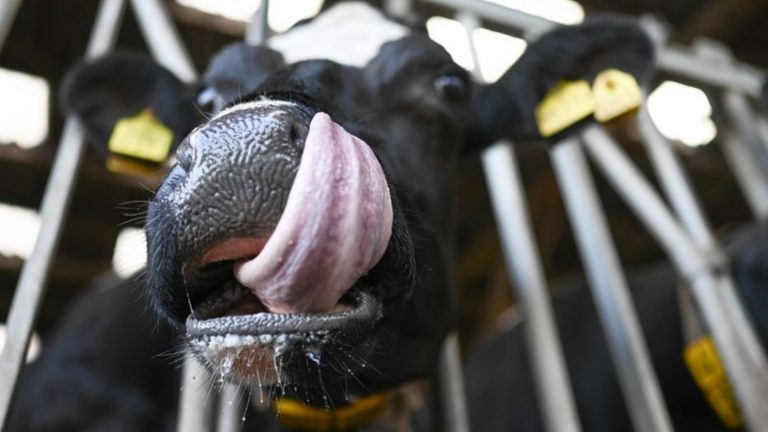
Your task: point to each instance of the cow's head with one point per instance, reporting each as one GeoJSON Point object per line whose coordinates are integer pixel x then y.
{"type": "Point", "coordinates": [303, 238]}
{"type": "Point", "coordinates": [303, 235]}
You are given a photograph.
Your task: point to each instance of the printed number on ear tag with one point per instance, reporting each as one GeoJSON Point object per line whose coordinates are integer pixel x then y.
{"type": "Point", "coordinates": [565, 105]}
{"type": "Point", "coordinates": [616, 93]}
{"type": "Point", "coordinates": [708, 372]}
{"type": "Point", "coordinates": [142, 137]}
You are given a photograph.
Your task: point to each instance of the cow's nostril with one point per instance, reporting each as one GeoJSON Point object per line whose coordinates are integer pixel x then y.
{"type": "Point", "coordinates": [298, 134]}
{"type": "Point", "coordinates": [184, 156]}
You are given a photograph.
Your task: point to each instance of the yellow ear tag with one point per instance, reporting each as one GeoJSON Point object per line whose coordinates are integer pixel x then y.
{"type": "Point", "coordinates": [565, 105]}
{"type": "Point", "coordinates": [707, 370]}
{"type": "Point", "coordinates": [616, 93]}
{"type": "Point", "coordinates": [120, 165]}
{"type": "Point", "coordinates": [142, 137]}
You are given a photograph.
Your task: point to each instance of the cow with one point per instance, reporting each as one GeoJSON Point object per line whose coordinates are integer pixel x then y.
{"type": "Point", "coordinates": [302, 242]}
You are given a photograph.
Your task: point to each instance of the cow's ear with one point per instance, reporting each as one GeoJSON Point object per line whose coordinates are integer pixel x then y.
{"type": "Point", "coordinates": [506, 109]}
{"type": "Point", "coordinates": [102, 92]}
{"type": "Point", "coordinates": [236, 71]}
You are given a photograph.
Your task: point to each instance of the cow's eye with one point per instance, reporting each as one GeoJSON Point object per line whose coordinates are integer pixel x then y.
{"type": "Point", "coordinates": [451, 88]}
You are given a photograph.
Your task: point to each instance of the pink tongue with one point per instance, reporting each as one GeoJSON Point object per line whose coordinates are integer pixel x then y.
{"type": "Point", "coordinates": [335, 227]}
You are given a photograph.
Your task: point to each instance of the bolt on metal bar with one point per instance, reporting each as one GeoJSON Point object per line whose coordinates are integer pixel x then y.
{"type": "Point", "coordinates": [55, 203]}
{"type": "Point", "coordinates": [748, 373]}
{"type": "Point", "coordinates": [637, 379]}
{"type": "Point", "coordinates": [257, 31]}
{"type": "Point", "coordinates": [680, 193]}
{"type": "Point", "coordinates": [525, 269]}
{"type": "Point", "coordinates": [8, 11]}
{"type": "Point", "coordinates": [452, 395]}
{"type": "Point", "coordinates": [163, 39]}
{"type": "Point", "coordinates": [195, 406]}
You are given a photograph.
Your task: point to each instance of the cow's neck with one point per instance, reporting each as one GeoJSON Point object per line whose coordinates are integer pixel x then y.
{"type": "Point", "coordinates": [348, 33]}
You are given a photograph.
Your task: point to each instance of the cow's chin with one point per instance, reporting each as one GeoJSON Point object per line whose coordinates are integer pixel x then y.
{"type": "Point", "coordinates": [242, 342]}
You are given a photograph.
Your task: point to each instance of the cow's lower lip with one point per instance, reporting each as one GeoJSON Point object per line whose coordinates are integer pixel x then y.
{"type": "Point", "coordinates": [364, 310]}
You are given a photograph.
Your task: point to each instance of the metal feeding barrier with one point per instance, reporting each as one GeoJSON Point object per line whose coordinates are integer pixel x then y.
{"type": "Point", "coordinates": [680, 228]}
{"type": "Point", "coordinates": [682, 231]}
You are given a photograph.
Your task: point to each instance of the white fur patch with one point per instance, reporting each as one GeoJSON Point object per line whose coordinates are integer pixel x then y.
{"type": "Point", "coordinates": [252, 104]}
{"type": "Point", "coordinates": [348, 33]}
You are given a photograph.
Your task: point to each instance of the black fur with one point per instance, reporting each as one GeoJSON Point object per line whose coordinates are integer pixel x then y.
{"type": "Point", "coordinates": [106, 368]}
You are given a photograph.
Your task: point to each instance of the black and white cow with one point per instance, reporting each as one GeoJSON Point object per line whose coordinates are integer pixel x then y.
{"type": "Point", "coordinates": [303, 241]}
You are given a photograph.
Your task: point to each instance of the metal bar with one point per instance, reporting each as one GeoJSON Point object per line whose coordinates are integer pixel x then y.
{"type": "Point", "coordinates": [163, 39]}
{"type": "Point", "coordinates": [675, 184]}
{"type": "Point", "coordinates": [34, 274]}
{"type": "Point", "coordinates": [740, 115]}
{"type": "Point", "coordinates": [195, 407]}
{"type": "Point", "coordinates": [680, 193]}
{"type": "Point", "coordinates": [747, 173]}
{"type": "Point", "coordinates": [257, 31]}
{"type": "Point", "coordinates": [527, 24]}
{"type": "Point", "coordinates": [56, 199]}
{"type": "Point", "coordinates": [739, 77]}
{"type": "Point", "coordinates": [453, 401]}
{"type": "Point", "coordinates": [617, 314]}
{"type": "Point", "coordinates": [525, 269]}
{"type": "Point", "coordinates": [746, 369]}
{"type": "Point", "coordinates": [106, 28]}
{"type": "Point", "coordinates": [231, 414]}
{"type": "Point", "coordinates": [8, 11]}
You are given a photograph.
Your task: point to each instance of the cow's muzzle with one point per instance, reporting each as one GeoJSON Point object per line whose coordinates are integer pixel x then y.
{"type": "Point", "coordinates": [285, 215]}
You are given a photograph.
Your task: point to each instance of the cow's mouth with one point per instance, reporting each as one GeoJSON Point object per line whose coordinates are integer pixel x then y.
{"type": "Point", "coordinates": [306, 281]}
{"type": "Point", "coordinates": [234, 309]}
{"type": "Point", "coordinates": [237, 312]}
